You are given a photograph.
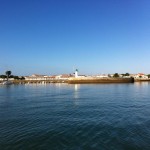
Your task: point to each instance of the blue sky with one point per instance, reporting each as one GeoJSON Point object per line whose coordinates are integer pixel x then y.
{"type": "Point", "coordinates": [56, 36]}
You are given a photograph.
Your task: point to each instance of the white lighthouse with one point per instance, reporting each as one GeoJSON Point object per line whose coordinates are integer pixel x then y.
{"type": "Point", "coordinates": [76, 73]}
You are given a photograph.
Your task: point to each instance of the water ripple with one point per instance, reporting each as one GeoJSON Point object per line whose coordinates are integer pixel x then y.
{"type": "Point", "coordinates": [85, 117]}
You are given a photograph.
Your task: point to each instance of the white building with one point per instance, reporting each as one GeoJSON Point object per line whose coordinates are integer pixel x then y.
{"type": "Point", "coordinates": [102, 76]}
{"type": "Point", "coordinates": [4, 79]}
{"type": "Point", "coordinates": [36, 77]}
{"type": "Point", "coordinates": [140, 76]}
{"type": "Point", "coordinates": [44, 77]}
{"type": "Point", "coordinates": [76, 73]}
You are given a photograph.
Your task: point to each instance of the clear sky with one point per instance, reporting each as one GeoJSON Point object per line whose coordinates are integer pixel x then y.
{"type": "Point", "coordinates": [57, 36]}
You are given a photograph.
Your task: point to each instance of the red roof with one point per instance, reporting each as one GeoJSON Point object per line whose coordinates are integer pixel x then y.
{"type": "Point", "coordinates": [140, 74]}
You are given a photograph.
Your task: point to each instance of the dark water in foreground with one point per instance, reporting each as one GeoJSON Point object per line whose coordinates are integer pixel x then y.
{"type": "Point", "coordinates": [75, 117]}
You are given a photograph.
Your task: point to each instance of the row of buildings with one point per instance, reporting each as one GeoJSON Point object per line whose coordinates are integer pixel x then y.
{"type": "Point", "coordinates": [75, 75]}
{"type": "Point", "coordinates": [45, 77]}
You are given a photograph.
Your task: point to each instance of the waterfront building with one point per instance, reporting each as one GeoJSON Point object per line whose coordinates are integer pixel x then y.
{"type": "Point", "coordinates": [65, 76]}
{"type": "Point", "coordinates": [102, 76]}
{"type": "Point", "coordinates": [36, 77]}
{"type": "Point", "coordinates": [140, 76]}
{"type": "Point", "coordinates": [4, 79]}
{"type": "Point", "coordinates": [45, 77]}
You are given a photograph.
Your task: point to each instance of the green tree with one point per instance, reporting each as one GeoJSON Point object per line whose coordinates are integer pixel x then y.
{"type": "Point", "coordinates": [116, 75]}
{"type": "Point", "coordinates": [16, 77]}
{"type": "Point", "coordinates": [22, 78]}
{"type": "Point", "coordinates": [11, 76]}
{"type": "Point", "coordinates": [148, 75]}
{"type": "Point", "coordinates": [8, 73]}
{"type": "Point", "coordinates": [127, 74]}
{"type": "Point", "coordinates": [109, 75]}
{"type": "Point", "coordinates": [3, 76]}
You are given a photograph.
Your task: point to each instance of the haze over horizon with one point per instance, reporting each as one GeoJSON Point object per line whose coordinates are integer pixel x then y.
{"type": "Point", "coordinates": [55, 36]}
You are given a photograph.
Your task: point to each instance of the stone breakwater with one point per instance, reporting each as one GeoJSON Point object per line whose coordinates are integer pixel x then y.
{"type": "Point", "coordinates": [77, 81]}
{"type": "Point", "coordinates": [99, 80]}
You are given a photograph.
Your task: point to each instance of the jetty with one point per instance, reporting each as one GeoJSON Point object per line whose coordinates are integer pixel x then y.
{"type": "Point", "coordinates": [99, 80]}
{"type": "Point", "coordinates": [77, 81]}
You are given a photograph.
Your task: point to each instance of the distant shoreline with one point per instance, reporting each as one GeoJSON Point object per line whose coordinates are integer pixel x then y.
{"type": "Point", "coordinates": [77, 81]}
{"type": "Point", "coordinates": [81, 81]}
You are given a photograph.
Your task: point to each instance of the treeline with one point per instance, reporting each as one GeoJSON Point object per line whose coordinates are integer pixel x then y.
{"type": "Point", "coordinates": [12, 76]}
{"type": "Point", "coordinates": [116, 75]}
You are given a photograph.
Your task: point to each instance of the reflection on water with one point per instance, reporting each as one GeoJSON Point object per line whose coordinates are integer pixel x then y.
{"type": "Point", "coordinates": [76, 91]}
{"type": "Point", "coordinates": [76, 94]}
{"type": "Point", "coordinates": [76, 87]}
{"type": "Point", "coordinates": [141, 83]}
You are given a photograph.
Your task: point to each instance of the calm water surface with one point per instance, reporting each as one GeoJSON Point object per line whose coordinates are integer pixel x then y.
{"type": "Point", "coordinates": [75, 117]}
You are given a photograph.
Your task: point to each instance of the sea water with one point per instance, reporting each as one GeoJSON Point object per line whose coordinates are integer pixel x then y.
{"type": "Point", "coordinates": [75, 117]}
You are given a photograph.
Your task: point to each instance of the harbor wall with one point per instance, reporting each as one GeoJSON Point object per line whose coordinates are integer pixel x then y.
{"type": "Point", "coordinates": [78, 81]}
{"type": "Point", "coordinates": [100, 80]}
